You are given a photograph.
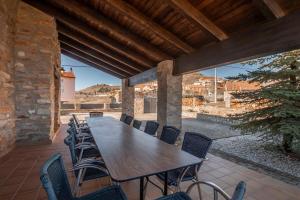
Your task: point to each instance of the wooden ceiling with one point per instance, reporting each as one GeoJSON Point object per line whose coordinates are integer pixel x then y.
{"type": "Point", "coordinates": [126, 37]}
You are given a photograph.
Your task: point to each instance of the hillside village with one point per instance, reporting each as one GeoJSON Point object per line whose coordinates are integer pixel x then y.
{"type": "Point", "coordinates": [198, 95]}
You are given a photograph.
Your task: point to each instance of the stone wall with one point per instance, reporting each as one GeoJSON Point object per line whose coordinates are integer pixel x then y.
{"type": "Point", "coordinates": [37, 58]}
{"type": "Point", "coordinates": [8, 10]}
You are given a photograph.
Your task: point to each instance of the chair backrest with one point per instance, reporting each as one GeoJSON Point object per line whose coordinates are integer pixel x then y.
{"type": "Point", "coordinates": [151, 127]}
{"type": "Point", "coordinates": [123, 116]}
{"type": "Point", "coordinates": [128, 119]}
{"type": "Point", "coordinates": [239, 192]}
{"type": "Point", "coordinates": [96, 114]}
{"type": "Point", "coordinates": [137, 124]}
{"type": "Point", "coordinates": [169, 134]}
{"type": "Point", "coordinates": [70, 142]}
{"type": "Point", "coordinates": [197, 145]}
{"type": "Point", "coordinates": [54, 179]}
{"type": "Point", "coordinates": [75, 120]}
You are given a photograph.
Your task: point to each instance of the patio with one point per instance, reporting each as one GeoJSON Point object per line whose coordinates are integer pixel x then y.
{"type": "Point", "coordinates": [19, 176]}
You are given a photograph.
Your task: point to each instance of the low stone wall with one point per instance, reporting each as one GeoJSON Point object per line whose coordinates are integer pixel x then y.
{"type": "Point", "coordinates": [91, 106]}
{"type": "Point", "coordinates": [217, 119]}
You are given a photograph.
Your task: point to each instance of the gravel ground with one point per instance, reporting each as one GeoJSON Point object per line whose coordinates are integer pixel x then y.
{"type": "Point", "coordinates": [251, 148]}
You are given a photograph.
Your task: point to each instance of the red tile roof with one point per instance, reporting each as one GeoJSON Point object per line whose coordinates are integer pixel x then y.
{"type": "Point", "coordinates": [69, 74]}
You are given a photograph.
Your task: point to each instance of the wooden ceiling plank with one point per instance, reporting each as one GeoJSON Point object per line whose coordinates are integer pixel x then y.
{"type": "Point", "coordinates": [275, 8]}
{"type": "Point", "coordinates": [91, 52]}
{"type": "Point", "coordinates": [80, 59]}
{"type": "Point", "coordinates": [93, 59]}
{"type": "Point", "coordinates": [273, 37]}
{"type": "Point", "coordinates": [146, 22]}
{"type": "Point", "coordinates": [86, 30]}
{"type": "Point", "coordinates": [113, 28]}
{"type": "Point", "coordinates": [186, 8]}
{"type": "Point", "coordinates": [66, 31]}
{"type": "Point", "coordinates": [264, 9]}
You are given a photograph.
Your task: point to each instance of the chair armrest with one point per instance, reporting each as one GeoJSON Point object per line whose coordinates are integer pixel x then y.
{"type": "Point", "coordinates": [216, 189]}
{"type": "Point", "coordinates": [90, 161]}
{"type": "Point", "coordinates": [86, 166]}
{"type": "Point", "coordinates": [85, 145]}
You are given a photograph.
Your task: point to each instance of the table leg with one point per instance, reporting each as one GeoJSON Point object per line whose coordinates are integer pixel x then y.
{"type": "Point", "coordinates": [141, 188]}
{"type": "Point", "coordinates": [166, 184]}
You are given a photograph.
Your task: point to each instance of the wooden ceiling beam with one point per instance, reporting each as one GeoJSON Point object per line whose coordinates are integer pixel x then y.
{"type": "Point", "coordinates": [275, 8]}
{"type": "Point", "coordinates": [92, 59]}
{"type": "Point", "coordinates": [95, 54]}
{"type": "Point", "coordinates": [91, 33]}
{"type": "Point", "coordinates": [98, 20]}
{"type": "Point", "coordinates": [83, 60]}
{"type": "Point", "coordinates": [186, 8]}
{"type": "Point", "coordinates": [72, 34]}
{"type": "Point", "coordinates": [273, 37]}
{"type": "Point", "coordinates": [146, 22]}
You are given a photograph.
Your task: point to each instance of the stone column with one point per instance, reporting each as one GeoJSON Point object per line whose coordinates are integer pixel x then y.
{"type": "Point", "coordinates": [8, 11]}
{"type": "Point", "coordinates": [127, 98]}
{"type": "Point", "coordinates": [37, 58]}
{"type": "Point", "coordinates": [169, 96]}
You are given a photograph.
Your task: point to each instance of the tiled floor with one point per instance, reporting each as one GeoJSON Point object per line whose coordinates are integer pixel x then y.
{"type": "Point", "coordinates": [19, 176]}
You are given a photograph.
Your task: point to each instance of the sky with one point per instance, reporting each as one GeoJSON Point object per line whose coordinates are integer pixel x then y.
{"type": "Point", "coordinates": [87, 76]}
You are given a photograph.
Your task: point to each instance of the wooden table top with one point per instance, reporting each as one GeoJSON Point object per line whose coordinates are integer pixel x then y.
{"type": "Point", "coordinates": [129, 153]}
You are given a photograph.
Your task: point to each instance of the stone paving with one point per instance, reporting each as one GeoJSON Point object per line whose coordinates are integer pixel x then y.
{"type": "Point", "coordinates": [19, 176]}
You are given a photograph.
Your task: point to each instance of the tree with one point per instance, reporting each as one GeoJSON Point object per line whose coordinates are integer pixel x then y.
{"type": "Point", "coordinates": [278, 100]}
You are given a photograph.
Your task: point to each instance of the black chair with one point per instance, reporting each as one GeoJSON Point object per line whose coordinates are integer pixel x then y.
{"type": "Point", "coordinates": [137, 124]}
{"type": "Point", "coordinates": [123, 117]}
{"type": "Point", "coordinates": [195, 144]}
{"type": "Point", "coordinates": [238, 194]}
{"type": "Point", "coordinates": [96, 114]}
{"type": "Point", "coordinates": [85, 168]}
{"type": "Point", "coordinates": [151, 127]}
{"type": "Point", "coordinates": [128, 119]}
{"type": "Point", "coordinates": [55, 182]}
{"type": "Point", "coordinates": [169, 134]}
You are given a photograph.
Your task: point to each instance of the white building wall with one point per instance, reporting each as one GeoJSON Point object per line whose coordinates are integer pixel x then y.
{"type": "Point", "coordinates": [67, 89]}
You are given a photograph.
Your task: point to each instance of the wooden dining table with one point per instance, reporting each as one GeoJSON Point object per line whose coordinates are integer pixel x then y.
{"type": "Point", "coordinates": [129, 153]}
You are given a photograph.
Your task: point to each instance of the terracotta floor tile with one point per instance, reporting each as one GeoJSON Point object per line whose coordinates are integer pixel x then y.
{"type": "Point", "coordinates": [19, 176]}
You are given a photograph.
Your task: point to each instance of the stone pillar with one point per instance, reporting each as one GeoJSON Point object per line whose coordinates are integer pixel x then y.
{"type": "Point", "coordinates": [139, 105]}
{"type": "Point", "coordinates": [8, 11]}
{"type": "Point", "coordinates": [169, 96]}
{"type": "Point", "coordinates": [127, 98]}
{"type": "Point", "coordinates": [37, 59]}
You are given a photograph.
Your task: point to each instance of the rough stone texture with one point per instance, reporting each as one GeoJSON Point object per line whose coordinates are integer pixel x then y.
{"type": "Point", "coordinates": [139, 106]}
{"type": "Point", "coordinates": [8, 10]}
{"type": "Point", "coordinates": [127, 98]}
{"type": "Point", "coordinates": [169, 96]}
{"type": "Point", "coordinates": [37, 58]}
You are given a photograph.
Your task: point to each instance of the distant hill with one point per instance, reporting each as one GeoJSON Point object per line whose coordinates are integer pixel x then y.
{"type": "Point", "coordinates": [99, 88]}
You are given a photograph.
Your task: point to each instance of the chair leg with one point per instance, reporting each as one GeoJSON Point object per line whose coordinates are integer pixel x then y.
{"type": "Point", "coordinates": [148, 180]}
{"type": "Point", "coordinates": [77, 182]}
{"type": "Point", "coordinates": [145, 186]}
{"type": "Point", "coordinates": [198, 186]}
{"type": "Point", "coordinates": [82, 176]}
